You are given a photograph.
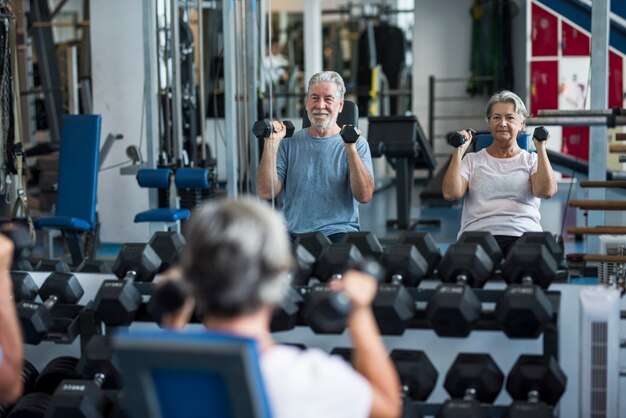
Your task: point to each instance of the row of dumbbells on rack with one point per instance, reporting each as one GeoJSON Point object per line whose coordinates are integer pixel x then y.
{"type": "Point", "coordinates": [452, 309]}
{"type": "Point", "coordinates": [90, 387]}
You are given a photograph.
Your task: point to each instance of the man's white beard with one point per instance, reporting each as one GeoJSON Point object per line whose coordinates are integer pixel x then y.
{"type": "Point", "coordinates": [323, 125]}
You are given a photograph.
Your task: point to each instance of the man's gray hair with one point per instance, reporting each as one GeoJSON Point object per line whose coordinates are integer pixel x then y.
{"type": "Point", "coordinates": [330, 76]}
{"type": "Point", "coordinates": [237, 257]}
{"type": "Point", "coordinates": [506, 96]}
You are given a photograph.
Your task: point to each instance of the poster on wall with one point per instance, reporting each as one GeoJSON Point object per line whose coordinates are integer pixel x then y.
{"type": "Point", "coordinates": [574, 83]}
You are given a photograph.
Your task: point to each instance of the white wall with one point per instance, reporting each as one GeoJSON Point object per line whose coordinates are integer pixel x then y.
{"type": "Point", "coordinates": [117, 74]}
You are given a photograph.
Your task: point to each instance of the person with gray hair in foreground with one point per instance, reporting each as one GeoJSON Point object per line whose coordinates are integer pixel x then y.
{"type": "Point", "coordinates": [503, 184]}
{"type": "Point", "coordinates": [237, 262]}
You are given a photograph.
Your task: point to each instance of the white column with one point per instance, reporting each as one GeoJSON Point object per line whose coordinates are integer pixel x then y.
{"type": "Point", "coordinates": [312, 38]}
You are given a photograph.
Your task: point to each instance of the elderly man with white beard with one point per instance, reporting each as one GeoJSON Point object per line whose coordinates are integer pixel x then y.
{"type": "Point", "coordinates": [323, 178]}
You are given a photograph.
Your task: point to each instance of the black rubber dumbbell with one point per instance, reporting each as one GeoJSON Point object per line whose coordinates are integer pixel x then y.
{"type": "Point", "coordinates": [168, 298]}
{"type": "Point", "coordinates": [524, 309]}
{"type": "Point", "coordinates": [473, 378]}
{"type": "Point", "coordinates": [350, 134]}
{"type": "Point", "coordinates": [314, 242]}
{"type": "Point", "coordinates": [51, 264]}
{"type": "Point", "coordinates": [117, 301]}
{"type": "Point", "coordinates": [264, 128]}
{"type": "Point", "coordinates": [89, 265]}
{"type": "Point", "coordinates": [485, 240]}
{"type": "Point", "coordinates": [426, 246]}
{"type": "Point", "coordinates": [536, 383]}
{"type": "Point", "coordinates": [548, 240]}
{"type": "Point", "coordinates": [456, 139]}
{"type": "Point", "coordinates": [454, 307]}
{"type": "Point", "coordinates": [36, 318]}
{"type": "Point", "coordinates": [24, 287]}
{"type": "Point", "coordinates": [55, 372]}
{"type": "Point", "coordinates": [404, 264]}
{"type": "Point", "coordinates": [304, 264]}
{"type": "Point", "coordinates": [285, 316]}
{"type": "Point", "coordinates": [367, 243]}
{"type": "Point", "coordinates": [540, 134]}
{"type": "Point", "coordinates": [79, 398]}
{"type": "Point", "coordinates": [326, 311]}
{"type": "Point", "coordinates": [167, 245]}
{"type": "Point", "coordinates": [417, 373]}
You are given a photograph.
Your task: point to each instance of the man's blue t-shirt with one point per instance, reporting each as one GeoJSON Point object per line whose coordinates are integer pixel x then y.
{"type": "Point", "coordinates": [316, 184]}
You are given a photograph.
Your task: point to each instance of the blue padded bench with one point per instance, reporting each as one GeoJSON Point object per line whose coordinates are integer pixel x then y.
{"type": "Point", "coordinates": [190, 374]}
{"type": "Point", "coordinates": [159, 178]}
{"type": "Point", "coordinates": [194, 185]}
{"type": "Point", "coordinates": [77, 184]}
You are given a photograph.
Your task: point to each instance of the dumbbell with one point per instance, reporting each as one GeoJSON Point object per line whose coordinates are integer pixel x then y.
{"type": "Point", "coordinates": [473, 378]}
{"type": "Point", "coordinates": [167, 298]}
{"type": "Point", "coordinates": [167, 245]}
{"type": "Point", "coordinates": [404, 264]}
{"type": "Point", "coordinates": [33, 405]}
{"type": "Point", "coordinates": [540, 134]}
{"type": "Point", "coordinates": [89, 265]}
{"type": "Point", "coordinates": [36, 318]}
{"type": "Point", "coordinates": [485, 240]}
{"type": "Point", "coordinates": [426, 246]}
{"type": "Point", "coordinates": [417, 373]}
{"type": "Point", "coordinates": [55, 372]}
{"type": "Point", "coordinates": [549, 241]}
{"type": "Point", "coordinates": [454, 307]}
{"type": "Point", "coordinates": [24, 287]}
{"type": "Point", "coordinates": [456, 139]}
{"type": "Point", "coordinates": [325, 310]}
{"type": "Point", "coordinates": [350, 134]}
{"type": "Point", "coordinates": [77, 398]}
{"type": "Point", "coordinates": [314, 242]}
{"type": "Point", "coordinates": [366, 242]}
{"type": "Point", "coordinates": [117, 301]}
{"type": "Point", "coordinates": [524, 309]}
{"type": "Point", "coordinates": [264, 128]}
{"type": "Point", "coordinates": [304, 264]}
{"type": "Point", "coordinates": [536, 383]}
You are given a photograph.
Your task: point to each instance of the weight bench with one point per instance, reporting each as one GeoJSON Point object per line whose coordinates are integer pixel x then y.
{"type": "Point", "coordinates": [162, 218]}
{"type": "Point", "coordinates": [171, 374]}
{"type": "Point", "coordinates": [402, 140]}
{"type": "Point", "coordinates": [77, 185]}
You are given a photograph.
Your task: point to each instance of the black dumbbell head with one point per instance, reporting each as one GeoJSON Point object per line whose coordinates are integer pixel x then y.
{"type": "Point", "coordinates": [540, 134]}
{"type": "Point", "coordinates": [467, 262]}
{"type": "Point", "coordinates": [350, 134]}
{"type": "Point", "coordinates": [393, 306]}
{"type": "Point", "coordinates": [529, 262]}
{"type": "Point", "coordinates": [78, 399]}
{"type": "Point", "coordinates": [98, 358]}
{"type": "Point", "coordinates": [138, 258]}
{"type": "Point", "coordinates": [546, 239]}
{"type": "Point", "coordinates": [456, 139]}
{"type": "Point", "coordinates": [476, 371]}
{"type": "Point", "coordinates": [404, 264]}
{"type": "Point", "coordinates": [343, 352]}
{"type": "Point", "coordinates": [487, 241]}
{"type": "Point", "coordinates": [117, 301]}
{"type": "Point", "coordinates": [65, 286]}
{"type": "Point", "coordinates": [304, 263]}
{"type": "Point", "coordinates": [24, 287]}
{"type": "Point", "coordinates": [426, 246]}
{"type": "Point", "coordinates": [57, 370]}
{"type": "Point", "coordinates": [314, 242]}
{"type": "Point", "coordinates": [523, 409]}
{"type": "Point", "coordinates": [262, 128]}
{"type": "Point", "coordinates": [417, 373]}
{"type": "Point", "coordinates": [539, 374]}
{"type": "Point", "coordinates": [523, 311]}
{"type": "Point", "coordinates": [461, 408]}
{"type": "Point", "coordinates": [167, 245]}
{"type": "Point", "coordinates": [33, 405]}
{"type": "Point", "coordinates": [289, 128]}
{"type": "Point", "coordinates": [367, 243]}
{"type": "Point", "coordinates": [336, 259]}
{"type": "Point", "coordinates": [452, 310]}
{"type": "Point", "coordinates": [325, 310]}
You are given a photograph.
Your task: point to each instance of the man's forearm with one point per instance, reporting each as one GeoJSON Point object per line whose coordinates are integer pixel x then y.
{"type": "Point", "coordinates": [267, 173]}
{"type": "Point", "coordinates": [11, 344]}
{"type": "Point", "coordinates": [361, 182]}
